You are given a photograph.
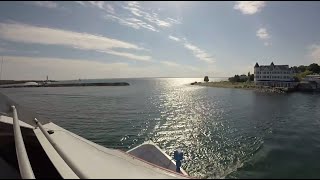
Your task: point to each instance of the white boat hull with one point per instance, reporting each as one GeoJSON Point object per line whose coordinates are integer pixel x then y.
{"type": "Point", "coordinates": [94, 161]}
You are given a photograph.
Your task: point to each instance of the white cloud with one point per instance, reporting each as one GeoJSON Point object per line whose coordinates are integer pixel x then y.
{"type": "Point", "coordinates": [196, 51]}
{"type": "Point", "coordinates": [19, 67]}
{"type": "Point", "coordinates": [200, 54]}
{"type": "Point", "coordinates": [98, 4]}
{"type": "Point", "coordinates": [81, 3]}
{"type": "Point", "coordinates": [131, 22]}
{"type": "Point", "coordinates": [110, 9]}
{"type": "Point", "coordinates": [174, 38]}
{"type": "Point", "coordinates": [33, 68]}
{"type": "Point", "coordinates": [249, 7]}
{"type": "Point", "coordinates": [314, 52]}
{"type": "Point", "coordinates": [145, 19]}
{"type": "Point", "coordinates": [180, 67]}
{"type": "Point", "coordinates": [47, 36]}
{"type": "Point", "coordinates": [173, 21]}
{"type": "Point", "coordinates": [3, 49]}
{"type": "Point", "coordinates": [46, 4]}
{"type": "Point", "coordinates": [262, 33]}
{"type": "Point", "coordinates": [128, 55]}
{"type": "Point", "coordinates": [168, 63]}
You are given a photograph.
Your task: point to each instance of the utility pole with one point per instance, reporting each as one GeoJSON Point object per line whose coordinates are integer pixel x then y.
{"type": "Point", "coordinates": [1, 69]}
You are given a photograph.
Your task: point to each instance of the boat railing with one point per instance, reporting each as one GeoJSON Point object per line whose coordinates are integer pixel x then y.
{"type": "Point", "coordinates": [64, 156]}
{"type": "Point", "coordinates": [25, 168]}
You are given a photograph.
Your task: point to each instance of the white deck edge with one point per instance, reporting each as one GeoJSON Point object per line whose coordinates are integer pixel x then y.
{"type": "Point", "coordinates": [9, 120]}
{"type": "Point", "coordinates": [157, 169]}
{"type": "Point", "coordinates": [64, 170]}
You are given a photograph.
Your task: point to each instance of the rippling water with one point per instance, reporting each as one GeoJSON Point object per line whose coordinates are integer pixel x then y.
{"type": "Point", "coordinates": [224, 133]}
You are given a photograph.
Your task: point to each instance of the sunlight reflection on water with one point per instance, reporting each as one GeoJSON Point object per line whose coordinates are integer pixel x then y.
{"type": "Point", "coordinates": [223, 132]}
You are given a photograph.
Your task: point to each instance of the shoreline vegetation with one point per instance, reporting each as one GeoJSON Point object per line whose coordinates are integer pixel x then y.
{"type": "Point", "coordinates": [242, 85]}
{"type": "Point", "coordinates": [244, 81]}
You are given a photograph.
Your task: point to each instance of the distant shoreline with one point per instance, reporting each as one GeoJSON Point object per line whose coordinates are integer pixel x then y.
{"type": "Point", "coordinates": [5, 82]}
{"type": "Point", "coordinates": [67, 85]}
{"type": "Point", "coordinates": [241, 85]}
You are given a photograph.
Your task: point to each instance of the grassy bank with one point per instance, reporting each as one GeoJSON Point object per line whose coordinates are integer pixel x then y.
{"type": "Point", "coordinates": [227, 84]}
{"type": "Point", "coordinates": [243, 85]}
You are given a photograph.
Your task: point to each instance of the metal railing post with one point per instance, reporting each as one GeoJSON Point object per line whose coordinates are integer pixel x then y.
{"type": "Point", "coordinates": [69, 162]}
{"type": "Point", "coordinates": [22, 156]}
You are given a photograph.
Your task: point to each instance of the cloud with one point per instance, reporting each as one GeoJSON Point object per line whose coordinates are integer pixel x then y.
{"type": "Point", "coordinates": [139, 18]}
{"type": "Point", "coordinates": [97, 4]}
{"type": "Point", "coordinates": [180, 67]}
{"type": "Point", "coordinates": [128, 55]}
{"type": "Point", "coordinates": [249, 7]}
{"type": "Point", "coordinates": [262, 33]}
{"type": "Point", "coordinates": [4, 49]}
{"type": "Point", "coordinates": [131, 22]}
{"type": "Point", "coordinates": [168, 63]}
{"type": "Point", "coordinates": [200, 54]}
{"type": "Point", "coordinates": [58, 68]}
{"type": "Point", "coordinates": [23, 33]}
{"type": "Point", "coordinates": [33, 68]}
{"type": "Point", "coordinates": [81, 3]}
{"type": "Point", "coordinates": [196, 51]}
{"type": "Point", "coordinates": [46, 4]}
{"type": "Point", "coordinates": [173, 21]}
{"type": "Point", "coordinates": [174, 38]}
{"type": "Point", "coordinates": [314, 52]}
{"type": "Point", "coordinates": [110, 9]}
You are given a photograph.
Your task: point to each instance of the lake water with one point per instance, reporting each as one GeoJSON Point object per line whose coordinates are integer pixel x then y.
{"type": "Point", "coordinates": [224, 133]}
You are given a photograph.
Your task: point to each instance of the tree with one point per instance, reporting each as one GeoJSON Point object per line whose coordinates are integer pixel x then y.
{"type": "Point", "coordinates": [296, 79]}
{"type": "Point", "coordinates": [231, 79]}
{"type": "Point", "coordinates": [302, 75]}
{"type": "Point", "coordinates": [252, 77]}
{"type": "Point", "coordinates": [295, 69]}
{"type": "Point", "coordinates": [302, 68]}
{"type": "Point", "coordinates": [206, 79]}
{"type": "Point", "coordinates": [314, 67]}
{"type": "Point", "coordinates": [237, 78]}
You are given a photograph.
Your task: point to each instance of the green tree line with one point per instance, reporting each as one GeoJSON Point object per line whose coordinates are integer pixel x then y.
{"type": "Point", "coordinates": [302, 71]}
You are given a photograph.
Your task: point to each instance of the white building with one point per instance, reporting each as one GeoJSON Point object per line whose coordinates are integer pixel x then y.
{"type": "Point", "coordinates": [274, 75]}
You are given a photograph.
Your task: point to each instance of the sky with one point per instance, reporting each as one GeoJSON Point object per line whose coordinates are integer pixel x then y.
{"type": "Point", "coordinates": [127, 39]}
